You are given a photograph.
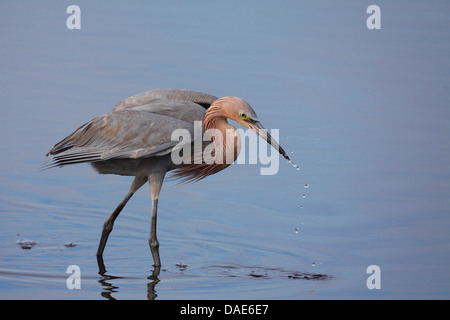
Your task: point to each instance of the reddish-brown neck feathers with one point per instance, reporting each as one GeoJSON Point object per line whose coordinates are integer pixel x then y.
{"type": "Point", "coordinates": [216, 118]}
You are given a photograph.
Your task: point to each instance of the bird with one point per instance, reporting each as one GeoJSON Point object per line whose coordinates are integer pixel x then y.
{"type": "Point", "coordinates": [135, 139]}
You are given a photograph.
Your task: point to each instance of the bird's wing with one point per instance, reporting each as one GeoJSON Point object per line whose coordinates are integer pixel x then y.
{"type": "Point", "coordinates": [200, 98]}
{"type": "Point", "coordinates": [182, 110]}
{"type": "Point", "coordinates": [129, 133]}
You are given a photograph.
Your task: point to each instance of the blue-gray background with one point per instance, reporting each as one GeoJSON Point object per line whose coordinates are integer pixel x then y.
{"type": "Point", "coordinates": [365, 113]}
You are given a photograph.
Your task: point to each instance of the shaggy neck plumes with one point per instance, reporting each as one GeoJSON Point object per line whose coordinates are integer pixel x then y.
{"type": "Point", "coordinates": [220, 149]}
{"type": "Point", "coordinates": [224, 136]}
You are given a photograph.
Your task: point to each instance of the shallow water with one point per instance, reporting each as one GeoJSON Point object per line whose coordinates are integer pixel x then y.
{"type": "Point", "coordinates": [364, 113]}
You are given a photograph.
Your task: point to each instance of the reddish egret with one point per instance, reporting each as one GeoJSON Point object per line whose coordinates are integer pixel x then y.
{"type": "Point", "coordinates": [134, 139]}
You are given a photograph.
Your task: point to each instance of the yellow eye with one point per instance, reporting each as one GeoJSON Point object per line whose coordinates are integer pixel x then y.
{"type": "Point", "coordinates": [244, 116]}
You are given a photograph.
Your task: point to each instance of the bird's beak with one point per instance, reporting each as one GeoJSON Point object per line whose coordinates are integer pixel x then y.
{"type": "Point", "coordinates": [262, 132]}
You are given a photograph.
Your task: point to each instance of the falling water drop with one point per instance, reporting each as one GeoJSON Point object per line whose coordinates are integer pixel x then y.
{"type": "Point", "coordinates": [304, 196]}
{"type": "Point", "coordinates": [296, 230]}
{"type": "Point", "coordinates": [306, 186]}
{"type": "Point", "coordinates": [294, 165]}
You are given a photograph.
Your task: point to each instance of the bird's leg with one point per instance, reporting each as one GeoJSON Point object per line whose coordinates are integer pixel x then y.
{"type": "Point", "coordinates": [108, 225]}
{"type": "Point", "coordinates": [153, 241]}
{"type": "Point", "coordinates": [155, 181]}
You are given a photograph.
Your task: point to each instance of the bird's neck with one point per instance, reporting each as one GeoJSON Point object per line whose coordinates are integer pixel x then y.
{"type": "Point", "coordinates": [214, 117]}
{"type": "Point", "coordinates": [224, 136]}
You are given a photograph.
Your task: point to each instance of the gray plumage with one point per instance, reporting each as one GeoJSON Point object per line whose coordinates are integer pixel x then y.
{"type": "Point", "coordinates": [135, 139]}
{"type": "Point", "coordinates": [137, 127]}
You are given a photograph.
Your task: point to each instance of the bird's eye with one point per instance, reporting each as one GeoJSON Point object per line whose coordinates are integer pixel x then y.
{"type": "Point", "coordinates": [244, 116]}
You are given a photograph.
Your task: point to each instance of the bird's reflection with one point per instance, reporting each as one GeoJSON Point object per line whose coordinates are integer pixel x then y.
{"type": "Point", "coordinates": [109, 288]}
{"type": "Point", "coordinates": [151, 292]}
{"type": "Point", "coordinates": [228, 271]}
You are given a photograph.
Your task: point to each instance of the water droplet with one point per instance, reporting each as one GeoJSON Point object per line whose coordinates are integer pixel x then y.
{"type": "Point", "coordinates": [304, 196]}
{"type": "Point", "coordinates": [313, 264]}
{"type": "Point", "coordinates": [294, 165]}
{"type": "Point", "coordinates": [296, 230]}
{"type": "Point", "coordinates": [306, 186]}
{"type": "Point", "coordinates": [301, 206]}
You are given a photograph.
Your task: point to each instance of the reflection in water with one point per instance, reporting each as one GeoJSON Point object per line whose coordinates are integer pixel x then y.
{"type": "Point", "coordinates": [109, 288]}
{"type": "Point", "coordinates": [151, 292]}
{"type": "Point", "coordinates": [265, 273]}
{"type": "Point", "coordinates": [230, 271]}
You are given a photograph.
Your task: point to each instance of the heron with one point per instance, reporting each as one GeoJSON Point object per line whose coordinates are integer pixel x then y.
{"type": "Point", "coordinates": [135, 139]}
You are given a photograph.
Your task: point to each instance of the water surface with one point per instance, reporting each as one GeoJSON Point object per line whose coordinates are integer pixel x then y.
{"type": "Point", "coordinates": [364, 113]}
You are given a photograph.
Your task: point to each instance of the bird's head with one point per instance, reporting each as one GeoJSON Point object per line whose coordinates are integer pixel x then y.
{"type": "Point", "coordinates": [239, 110]}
